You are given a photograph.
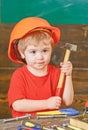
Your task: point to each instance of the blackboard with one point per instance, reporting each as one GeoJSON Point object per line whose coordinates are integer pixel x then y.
{"type": "Point", "coordinates": [55, 11]}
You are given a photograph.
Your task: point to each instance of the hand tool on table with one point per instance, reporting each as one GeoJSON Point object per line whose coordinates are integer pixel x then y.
{"type": "Point", "coordinates": [69, 48]}
{"type": "Point", "coordinates": [69, 111]}
{"type": "Point", "coordinates": [30, 125]}
{"type": "Point", "coordinates": [16, 118]}
{"type": "Point", "coordinates": [51, 114]}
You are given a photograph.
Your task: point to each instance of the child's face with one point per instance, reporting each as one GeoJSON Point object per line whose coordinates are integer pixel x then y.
{"type": "Point", "coordinates": [38, 56]}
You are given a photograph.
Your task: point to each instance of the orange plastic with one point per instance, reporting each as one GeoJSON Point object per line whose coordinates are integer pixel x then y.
{"type": "Point", "coordinates": [27, 25]}
{"type": "Point", "coordinates": [86, 104]}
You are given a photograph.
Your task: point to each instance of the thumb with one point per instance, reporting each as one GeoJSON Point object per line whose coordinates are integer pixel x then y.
{"type": "Point", "coordinates": [61, 63]}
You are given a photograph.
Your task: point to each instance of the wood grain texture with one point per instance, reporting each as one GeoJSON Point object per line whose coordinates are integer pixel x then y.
{"type": "Point", "coordinates": [79, 124]}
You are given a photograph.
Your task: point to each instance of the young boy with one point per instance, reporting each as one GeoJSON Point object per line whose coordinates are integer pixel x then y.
{"type": "Point", "coordinates": [33, 86]}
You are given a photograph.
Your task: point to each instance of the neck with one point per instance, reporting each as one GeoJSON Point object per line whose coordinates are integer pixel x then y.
{"type": "Point", "coordinates": [38, 72]}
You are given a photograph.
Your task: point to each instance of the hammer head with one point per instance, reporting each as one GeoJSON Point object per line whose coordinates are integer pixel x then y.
{"type": "Point", "coordinates": [71, 47]}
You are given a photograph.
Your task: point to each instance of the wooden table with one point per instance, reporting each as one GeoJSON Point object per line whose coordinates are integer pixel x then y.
{"type": "Point", "coordinates": [45, 122]}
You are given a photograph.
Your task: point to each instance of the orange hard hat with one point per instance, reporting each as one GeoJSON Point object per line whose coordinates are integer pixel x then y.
{"type": "Point", "coordinates": [28, 25]}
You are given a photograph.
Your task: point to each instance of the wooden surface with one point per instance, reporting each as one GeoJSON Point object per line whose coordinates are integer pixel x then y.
{"type": "Point", "coordinates": [79, 124]}
{"type": "Point", "coordinates": [49, 122]}
{"type": "Point", "coordinates": [45, 122]}
{"type": "Point", "coordinates": [75, 34]}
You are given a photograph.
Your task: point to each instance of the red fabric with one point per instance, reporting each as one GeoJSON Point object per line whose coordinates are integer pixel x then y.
{"type": "Point", "coordinates": [25, 85]}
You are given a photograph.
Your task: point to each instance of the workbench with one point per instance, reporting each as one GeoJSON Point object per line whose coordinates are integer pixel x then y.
{"type": "Point", "coordinates": [48, 122]}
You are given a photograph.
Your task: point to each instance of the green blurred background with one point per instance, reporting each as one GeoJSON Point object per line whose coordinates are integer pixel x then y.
{"type": "Point", "coordinates": [55, 11]}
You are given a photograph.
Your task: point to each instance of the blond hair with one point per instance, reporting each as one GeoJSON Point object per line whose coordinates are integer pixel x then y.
{"type": "Point", "coordinates": [35, 38]}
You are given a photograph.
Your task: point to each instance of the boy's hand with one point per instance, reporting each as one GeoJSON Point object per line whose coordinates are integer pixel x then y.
{"type": "Point", "coordinates": [66, 67]}
{"type": "Point", "coordinates": [53, 102]}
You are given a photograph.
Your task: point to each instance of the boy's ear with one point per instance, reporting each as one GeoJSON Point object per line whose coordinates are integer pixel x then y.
{"type": "Point", "coordinates": [22, 55]}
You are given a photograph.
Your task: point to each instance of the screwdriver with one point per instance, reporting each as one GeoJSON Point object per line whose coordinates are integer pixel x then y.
{"type": "Point", "coordinates": [30, 125]}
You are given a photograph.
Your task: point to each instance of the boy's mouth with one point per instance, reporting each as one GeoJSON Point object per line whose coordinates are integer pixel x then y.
{"type": "Point", "coordinates": [40, 63]}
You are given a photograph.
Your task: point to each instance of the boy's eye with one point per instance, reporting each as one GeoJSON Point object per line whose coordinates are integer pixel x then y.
{"type": "Point", "coordinates": [44, 50]}
{"type": "Point", "coordinates": [33, 52]}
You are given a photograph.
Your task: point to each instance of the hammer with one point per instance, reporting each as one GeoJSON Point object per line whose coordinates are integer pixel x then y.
{"type": "Point", "coordinates": [69, 48]}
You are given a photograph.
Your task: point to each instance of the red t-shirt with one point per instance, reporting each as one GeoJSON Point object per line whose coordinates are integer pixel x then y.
{"type": "Point", "coordinates": [25, 85]}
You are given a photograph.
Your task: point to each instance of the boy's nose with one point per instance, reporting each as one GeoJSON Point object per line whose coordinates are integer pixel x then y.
{"type": "Point", "coordinates": [39, 55]}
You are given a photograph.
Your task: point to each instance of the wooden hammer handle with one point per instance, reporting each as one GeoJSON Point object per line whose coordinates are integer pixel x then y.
{"type": "Point", "coordinates": [62, 75]}
{"type": "Point", "coordinates": [67, 55]}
